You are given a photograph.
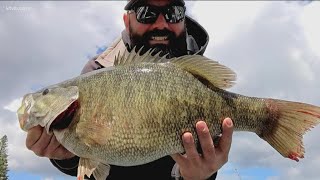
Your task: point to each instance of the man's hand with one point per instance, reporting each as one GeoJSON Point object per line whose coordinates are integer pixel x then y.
{"type": "Point", "coordinates": [45, 145]}
{"type": "Point", "coordinates": [194, 166]}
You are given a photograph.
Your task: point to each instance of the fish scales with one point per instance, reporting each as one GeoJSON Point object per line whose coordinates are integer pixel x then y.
{"type": "Point", "coordinates": [150, 113]}
{"type": "Point", "coordinates": [137, 111]}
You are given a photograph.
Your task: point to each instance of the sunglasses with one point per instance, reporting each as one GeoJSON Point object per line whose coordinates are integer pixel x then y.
{"type": "Point", "coordinates": [149, 14]}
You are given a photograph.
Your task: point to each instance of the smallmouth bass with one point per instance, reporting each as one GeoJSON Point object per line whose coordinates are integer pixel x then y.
{"type": "Point", "coordinates": [136, 111]}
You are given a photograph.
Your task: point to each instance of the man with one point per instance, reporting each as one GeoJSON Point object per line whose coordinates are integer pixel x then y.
{"type": "Point", "coordinates": [162, 26]}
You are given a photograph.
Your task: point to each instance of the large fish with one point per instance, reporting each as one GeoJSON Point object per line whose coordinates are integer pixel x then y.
{"type": "Point", "coordinates": [136, 111]}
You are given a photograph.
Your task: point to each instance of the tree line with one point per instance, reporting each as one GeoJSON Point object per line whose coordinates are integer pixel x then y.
{"type": "Point", "coordinates": [4, 158]}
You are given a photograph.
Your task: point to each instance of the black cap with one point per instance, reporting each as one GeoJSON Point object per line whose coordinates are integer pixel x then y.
{"type": "Point", "coordinates": [133, 3]}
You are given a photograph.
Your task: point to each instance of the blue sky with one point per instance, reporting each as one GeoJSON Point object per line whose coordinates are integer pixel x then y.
{"type": "Point", "coordinates": [22, 175]}
{"type": "Point", "coordinates": [274, 47]}
{"type": "Point", "coordinates": [26, 175]}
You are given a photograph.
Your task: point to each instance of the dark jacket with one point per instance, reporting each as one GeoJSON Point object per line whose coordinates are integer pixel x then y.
{"type": "Point", "coordinates": [197, 40]}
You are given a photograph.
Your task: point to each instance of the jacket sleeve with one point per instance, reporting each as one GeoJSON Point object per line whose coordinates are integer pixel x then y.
{"type": "Point", "coordinates": [175, 173]}
{"type": "Point", "coordinates": [91, 65]}
{"type": "Point", "coordinates": [67, 166]}
{"type": "Point", "coordinates": [214, 176]}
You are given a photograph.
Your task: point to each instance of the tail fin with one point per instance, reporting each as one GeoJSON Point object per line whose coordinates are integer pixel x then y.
{"type": "Point", "coordinates": [293, 120]}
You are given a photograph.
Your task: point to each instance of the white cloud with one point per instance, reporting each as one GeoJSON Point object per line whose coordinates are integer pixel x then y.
{"type": "Point", "coordinates": [20, 158]}
{"type": "Point", "coordinates": [43, 45]}
{"type": "Point", "coordinates": [273, 47]}
{"type": "Point", "coordinates": [271, 54]}
{"type": "Point", "coordinates": [311, 29]}
{"type": "Point", "coordinates": [14, 105]}
{"type": "Point", "coordinates": [222, 18]}
{"type": "Point", "coordinates": [48, 178]}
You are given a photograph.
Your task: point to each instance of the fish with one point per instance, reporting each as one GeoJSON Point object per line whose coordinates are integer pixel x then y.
{"type": "Point", "coordinates": [136, 111]}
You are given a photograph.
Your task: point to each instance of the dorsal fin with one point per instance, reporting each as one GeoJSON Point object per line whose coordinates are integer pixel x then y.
{"type": "Point", "coordinates": [200, 66]}
{"type": "Point", "coordinates": [134, 57]}
{"type": "Point", "coordinates": [217, 74]}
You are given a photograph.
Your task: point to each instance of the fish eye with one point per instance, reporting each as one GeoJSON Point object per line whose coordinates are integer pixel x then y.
{"type": "Point", "coordinates": [46, 91]}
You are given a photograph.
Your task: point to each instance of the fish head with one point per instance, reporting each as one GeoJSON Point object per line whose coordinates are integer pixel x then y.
{"type": "Point", "coordinates": [43, 107]}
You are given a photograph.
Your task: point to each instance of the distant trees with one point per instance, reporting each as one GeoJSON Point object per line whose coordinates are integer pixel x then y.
{"type": "Point", "coordinates": [3, 158]}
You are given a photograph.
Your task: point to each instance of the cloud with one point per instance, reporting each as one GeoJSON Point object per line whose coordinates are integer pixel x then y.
{"type": "Point", "coordinates": [51, 36]}
{"type": "Point", "coordinates": [272, 46]}
{"type": "Point", "coordinates": [14, 105]}
{"type": "Point", "coordinates": [275, 53]}
{"type": "Point", "coordinates": [222, 18]}
{"type": "Point", "coordinates": [311, 29]}
{"type": "Point", "coordinates": [20, 159]}
{"type": "Point", "coordinates": [43, 43]}
{"type": "Point", "coordinates": [48, 178]}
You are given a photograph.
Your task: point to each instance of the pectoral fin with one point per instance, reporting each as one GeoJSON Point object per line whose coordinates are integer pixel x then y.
{"type": "Point", "coordinates": [88, 167]}
{"type": "Point", "coordinates": [95, 130]}
{"type": "Point", "coordinates": [93, 133]}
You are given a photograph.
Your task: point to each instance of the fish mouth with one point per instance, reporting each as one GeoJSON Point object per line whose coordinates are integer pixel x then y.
{"type": "Point", "coordinates": [23, 116]}
{"type": "Point", "coordinates": [24, 111]}
{"type": "Point", "coordinates": [22, 120]}
{"type": "Point", "coordinates": [64, 119]}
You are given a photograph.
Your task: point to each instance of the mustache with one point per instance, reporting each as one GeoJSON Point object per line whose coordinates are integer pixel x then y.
{"type": "Point", "coordinates": [177, 44]}
{"type": "Point", "coordinates": [157, 32]}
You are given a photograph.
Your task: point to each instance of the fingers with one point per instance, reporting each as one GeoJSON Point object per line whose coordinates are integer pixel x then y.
{"type": "Point", "coordinates": [41, 144]}
{"type": "Point", "coordinates": [195, 166]}
{"type": "Point", "coordinates": [189, 146]}
{"type": "Point", "coordinates": [206, 141]}
{"type": "Point", "coordinates": [54, 144]}
{"type": "Point", "coordinates": [56, 151]}
{"type": "Point", "coordinates": [191, 157]}
{"type": "Point", "coordinates": [178, 158]}
{"type": "Point", "coordinates": [226, 138]}
{"type": "Point", "coordinates": [52, 148]}
{"type": "Point", "coordinates": [62, 153]}
{"type": "Point", "coordinates": [45, 145]}
{"type": "Point", "coordinates": [33, 136]}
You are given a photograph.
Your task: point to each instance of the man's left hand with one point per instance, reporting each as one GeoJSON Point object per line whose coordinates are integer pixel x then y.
{"type": "Point", "coordinates": [194, 166]}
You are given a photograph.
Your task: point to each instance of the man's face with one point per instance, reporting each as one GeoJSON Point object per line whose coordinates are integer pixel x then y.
{"type": "Point", "coordinates": [160, 35]}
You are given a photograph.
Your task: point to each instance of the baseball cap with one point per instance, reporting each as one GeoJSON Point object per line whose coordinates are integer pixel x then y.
{"type": "Point", "coordinates": [133, 3]}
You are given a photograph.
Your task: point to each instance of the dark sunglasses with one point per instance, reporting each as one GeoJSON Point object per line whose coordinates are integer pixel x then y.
{"type": "Point", "coordinates": [149, 14]}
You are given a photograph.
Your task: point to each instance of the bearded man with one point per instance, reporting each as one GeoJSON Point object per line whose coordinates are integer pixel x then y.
{"type": "Point", "coordinates": [163, 26]}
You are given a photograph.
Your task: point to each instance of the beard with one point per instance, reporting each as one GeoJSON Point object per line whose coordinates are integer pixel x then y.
{"type": "Point", "coordinates": [176, 47]}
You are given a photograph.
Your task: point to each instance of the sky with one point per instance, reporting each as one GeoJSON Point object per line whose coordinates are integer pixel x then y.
{"type": "Point", "coordinates": [274, 47]}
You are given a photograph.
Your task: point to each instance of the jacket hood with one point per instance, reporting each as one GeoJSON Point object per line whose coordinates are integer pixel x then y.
{"type": "Point", "coordinates": [198, 36]}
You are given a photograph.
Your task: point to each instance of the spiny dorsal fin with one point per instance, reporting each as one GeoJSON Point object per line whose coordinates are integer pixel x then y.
{"type": "Point", "coordinates": [134, 57]}
{"type": "Point", "coordinates": [219, 75]}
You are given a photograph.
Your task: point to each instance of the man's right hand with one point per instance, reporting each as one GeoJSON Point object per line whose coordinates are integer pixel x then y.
{"type": "Point", "coordinates": [45, 145]}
